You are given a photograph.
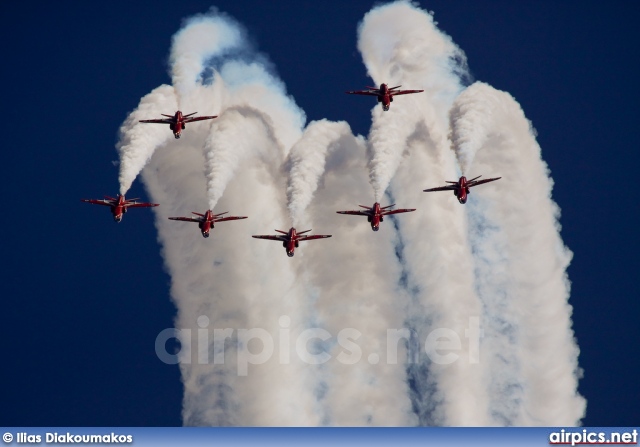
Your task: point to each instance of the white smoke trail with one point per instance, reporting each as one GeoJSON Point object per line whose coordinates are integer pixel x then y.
{"type": "Point", "coordinates": [306, 163]}
{"type": "Point", "coordinates": [354, 280]}
{"type": "Point", "coordinates": [138, 141]}
{"type": "Point", "coordinates": [201, 39]}
{"type": "Point", "coordinates": [239, 134]}
{"type": "Point", "coordinates": [253, 97]}
{"type": "Point", "coordinates": [520, 264]}
{"type": "Point", "coordinates": [400, 44]}
{"type": "Point", "coordinates": [470, 117]}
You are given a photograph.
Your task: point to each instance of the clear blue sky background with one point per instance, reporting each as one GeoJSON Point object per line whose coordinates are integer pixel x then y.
{"type": "Point", "coordinates": [84, 298]}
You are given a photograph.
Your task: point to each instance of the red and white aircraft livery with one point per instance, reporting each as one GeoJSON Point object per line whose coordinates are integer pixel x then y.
{"type": "Point", "coordinates": [461, 187]}
{"type": "Point", "coordinates": [207, 220]}
{"type": "Point", "coordinates": [385, 94]}
{"type": "Point", "coordinates": [375, 214]}
{"type": "Point", "coordinates": [291, 239]}
{"type": "Point", "coordinates": [177, 122]}
{"type": "Point", "coordinates": [119, 205]}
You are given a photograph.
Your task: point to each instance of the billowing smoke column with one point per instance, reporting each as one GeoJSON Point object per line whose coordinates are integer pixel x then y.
{"type": "Point", "coordinates": [365, 305]}
{"type": "Point", "coordinates": [520, 264]}
{"type": "Point", "coordinates": [203, 38]}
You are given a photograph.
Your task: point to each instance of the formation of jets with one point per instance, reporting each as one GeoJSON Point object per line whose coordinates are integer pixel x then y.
{"type": "Point", "coordinates": [375, 214]}
{"type": "Point", "coordinates": [290, 239]}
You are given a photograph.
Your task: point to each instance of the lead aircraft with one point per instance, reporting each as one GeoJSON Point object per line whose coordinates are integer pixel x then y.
{"type": "Point", "coordinates": [461, 187]}
{"type": "Point", "coordinates": [178, 120]}
{"type": "Point", "coordinates": [207, 220]}
{"type": "Point", "coordinates": [291, 238]}
{"type": "Point", "coordinates": [385, 94]}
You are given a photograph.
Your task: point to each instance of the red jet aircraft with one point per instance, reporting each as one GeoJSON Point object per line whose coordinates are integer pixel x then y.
{"type": "Point", "coordinates": [291, 239]}
{"type": "Point", "coordinates": [207, 220]}
{"type": "Point", "coordinates": [385, 94]}
{"type": "Point", "coordinates": [461, 187]}
{"type": "Point", "coordinates": [119, 205]}
{"type": "Point", "coordinates": [376, 214]}
{"type": "Point", "coordinates": [177, 122]}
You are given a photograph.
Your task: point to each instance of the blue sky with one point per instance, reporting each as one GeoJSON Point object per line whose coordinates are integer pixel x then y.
{"type": "Point", "coordinates": [85, 298]}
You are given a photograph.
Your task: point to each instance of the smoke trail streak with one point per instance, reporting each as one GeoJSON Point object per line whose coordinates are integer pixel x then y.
{"type": "Point", "coordinates": [252, 97]}
{"type": "Point", "coordinates": [306, 163]}
{"type": "Point", "coordinates": [355, 279]}
{"type": "Point", "coordinates": [400, 44]}
{"type": "Point", "coordinates": [520, 265]}
{"type": "Point", "coordinates": [138, 141]}
{"type": "Point", "coordinates": [470, 117]}
{"type": "Point", "coordinates": [236, 136]}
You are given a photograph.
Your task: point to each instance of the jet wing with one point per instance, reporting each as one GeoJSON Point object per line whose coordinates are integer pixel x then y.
{"type": "Point", "coordinates": [315, 236]}
{"type": "Point", "coordinates": [480, 182]}
{"type": "Point", "coordinates": [186, 219]}
{"type": "Point", "coordinates": [354, 213]}
{"type": "Point", "coordinates": [442, 188]}
{"type": "Point", "coordinates": [199, 118]}
{"type": "Point", "coordinates": [98, 202]}
{"type": "Point", "coordinates": [222, 219]}
{"type": "Point", "coordinates": [159, 121]}
{"type": "Point", "coordinates": [271, 238]}
{"type": "Point", "coordinates": [404, 92]}
{"type": "Point", "coordinates": [398, 211]}
{"type": "Point", "coordinates": [140, 205]}
{"type": "Point", "coordinates": [363, 92]}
